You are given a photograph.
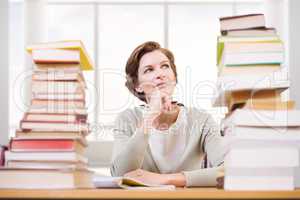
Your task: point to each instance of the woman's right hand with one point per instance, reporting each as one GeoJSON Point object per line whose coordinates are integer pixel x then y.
{"type": "Point", "coordinates": [158, 102]}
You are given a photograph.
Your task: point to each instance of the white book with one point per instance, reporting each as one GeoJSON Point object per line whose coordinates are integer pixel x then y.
{"type": "Point", "coordinates": [231, 59]}
{"type": "Point", "coordinates": [297, 177]}
{"type": "Point", "coordinates": [53, 126]}
{"type": "Point", "coordinates": [59, 96]}
{"type": "Point", "coordinates": [57, 87]}
{"type": "Point", "coordinates": [16, 178]}
{"type": "Point", "coordinates": [254, 47]}
{"type": "Point", "coordinates": [49, 109]}
{"type": "Point", "coordinates": [273, 38]}
{"type": "Point", "coordinates": [262, 178]}
{"type": "Point", "coordinates": [259, 171]}
{"type": "Point", "coordinates": [266, 133]}
{"type": "Point", "coordinates": [263, 118]}
{"type": "Point", "coordinates": [55, 56]}
{"type": "Point", "coordinates": [262, 157]}
{"type": "Point", "coordinates": [251, 32]}
{"type": "Point", "coordinates": [255, 183]}
{"type": "Point", "coordinates": [254, 140]}
{"type": "Point", "coordinates": [45, 156]}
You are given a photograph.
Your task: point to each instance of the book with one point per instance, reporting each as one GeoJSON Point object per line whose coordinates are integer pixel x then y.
{"type": "Point", "coordinates": [48, 56]}
{"type": "Point", "coordinates": [47, 145]}
{"type": "Point", "coordinates": [256, 82]}
{"type": "Point", "coordinates": [254, 39]}
{"type": "Point", "coordinates": [297, 177]}
{"type": "Point", "coordinates": [53, 126]}
{"type": "Point", "coordinates": [127, 183]}
{"type": "Point", "coordinates": [260, 42]}
{"type": "Point", "coordinates": [57, 87]}
{"type": "Point", "coordinates": [57, 110]}
{"type": "Point", "coordinates": [76, 45]}
{"type": "Point", "coordinates": [250, 53]}
{"type": "Point", "coordinates": [16, 178]}
{"type": "Point", "coordinates": [247, 47]}
{"type": "Point", "coordinates": [45, 156]}
{"type": "Point", "coordinates": [76, 135]}
{"type": "Point", "coordinates": [46, 165]}
{"type": "Point", "coordinates": [250, 32]}
{"type": "Point", "coordinates": [249, 136]}
{"type": "Point", "coordinates": [237, 70]}
{"type": "Point", "coordinates": [59, 104]}
{"type": "Point", "coordinates": [262, 157]}
{"type": "Point", "coordinates": [259, 179]}
{"type": "Point", "coordinates": [264, 104]}
{"type": "Point", "coordinates": [55, 117]}
{"type": "Point", "coordinates": [238, 99]}
{"type": "Point", "coordinates": [59, 96]}
{"type": "Point", "coordinates": [263, 118]}
{"type": "Point", "coordinates": [240, 53]}
{"type": "Point", "coordinates": [57, 68]}
{"type": "Point", "coordinates": [58, 76]}
{"type": "Point", "coordinates": [251, 58]}
{"type": "Point", "coordinates": [242, 22]}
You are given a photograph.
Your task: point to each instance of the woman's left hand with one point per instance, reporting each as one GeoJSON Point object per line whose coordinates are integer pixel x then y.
{"type": "Point", "coordinates": [148, 177]}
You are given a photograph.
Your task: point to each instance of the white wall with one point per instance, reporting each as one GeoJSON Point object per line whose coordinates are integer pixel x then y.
{"type": "Point", "coordinates": [294, 49]}
{"type": "Point", "coordinates": [276, 14]}
{"type": "Point", "coordinates": [4, 84]}
{"type": "Point", "coordinates": [36, 29]}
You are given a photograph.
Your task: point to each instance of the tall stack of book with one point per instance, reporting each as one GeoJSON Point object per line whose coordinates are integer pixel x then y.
{"type": "Point", "coordinates": [263, 148]}
{"type": "Point", "coordinates": [48, 150]}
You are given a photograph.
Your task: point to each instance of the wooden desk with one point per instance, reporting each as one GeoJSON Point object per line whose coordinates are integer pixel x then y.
{"type": "Point", "coordinates": [190, 193]}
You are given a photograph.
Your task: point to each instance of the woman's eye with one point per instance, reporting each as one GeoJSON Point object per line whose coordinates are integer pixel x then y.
{"type": "Point", "coordinates": [165, 66]}
{"type": "Point", "coordinates": [147, 70]}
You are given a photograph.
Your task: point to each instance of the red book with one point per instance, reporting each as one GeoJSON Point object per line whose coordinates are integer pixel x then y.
{"type": "Point", "coordinates": [47, 145]}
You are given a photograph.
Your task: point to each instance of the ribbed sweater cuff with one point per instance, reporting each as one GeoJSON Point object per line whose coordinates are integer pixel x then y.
{"type": "Point", "coordinates": [201, 177]}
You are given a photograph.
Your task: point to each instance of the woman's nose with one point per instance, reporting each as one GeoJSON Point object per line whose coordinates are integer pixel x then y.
{"type": "Point", "coordinates": [160, 74]}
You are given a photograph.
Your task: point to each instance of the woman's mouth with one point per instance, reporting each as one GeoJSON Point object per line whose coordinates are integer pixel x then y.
{"type": "Point", "coordinates": [161, 85]}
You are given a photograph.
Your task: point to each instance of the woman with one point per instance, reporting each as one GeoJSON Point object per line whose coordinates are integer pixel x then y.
{"type": "Point", "coordinates": [163, 142]}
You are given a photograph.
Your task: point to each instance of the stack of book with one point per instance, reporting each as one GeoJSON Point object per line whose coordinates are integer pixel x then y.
{"type": "Point", "coordinates": [48, 150]}
{"type": "Point", "coordinates": [261, 129]}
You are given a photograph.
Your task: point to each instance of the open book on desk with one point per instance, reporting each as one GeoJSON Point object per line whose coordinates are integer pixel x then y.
{"type": "Point", "coordinates": [101, 181]}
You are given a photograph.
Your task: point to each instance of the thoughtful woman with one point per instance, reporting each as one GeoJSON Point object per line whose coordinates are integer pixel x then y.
{"type": "Point", "coordinates": [164, 142]}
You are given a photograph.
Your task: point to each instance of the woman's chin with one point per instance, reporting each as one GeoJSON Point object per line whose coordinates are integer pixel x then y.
{"type": "Point", "coordinates": [166, 90]}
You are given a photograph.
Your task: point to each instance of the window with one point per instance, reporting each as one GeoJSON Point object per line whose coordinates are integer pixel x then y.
{"type": "Point", "coordinates": [121, 28]}
{"type": "Point", "coordinates": [16, 69]}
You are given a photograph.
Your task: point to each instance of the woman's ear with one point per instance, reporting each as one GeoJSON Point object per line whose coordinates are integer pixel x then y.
{"type": "Point", "coordinates": [139, 89]}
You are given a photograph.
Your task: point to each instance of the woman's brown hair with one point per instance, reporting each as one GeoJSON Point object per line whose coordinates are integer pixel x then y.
{"type": "Point", "coordinates": [133, 64]}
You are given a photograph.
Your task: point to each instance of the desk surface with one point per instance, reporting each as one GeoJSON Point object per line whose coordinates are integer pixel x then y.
{"type": "Point", "coordinates": [189, 193]}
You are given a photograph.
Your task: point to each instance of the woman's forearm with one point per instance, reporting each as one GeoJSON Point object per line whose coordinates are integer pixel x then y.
{"type": "Point", "coordinates": [130, 153]}
{"type": "Point", "coordinates": [177, 179]}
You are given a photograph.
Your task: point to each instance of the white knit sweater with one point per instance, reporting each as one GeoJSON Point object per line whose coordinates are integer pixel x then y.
{"type": "Point", "coordinates": [200, 135]}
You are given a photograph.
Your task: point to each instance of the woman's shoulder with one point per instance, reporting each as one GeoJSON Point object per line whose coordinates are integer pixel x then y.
{"type": "Point", "coordinates": [130, 114]}
{"type": "Point", "coordinates": [196, 113]}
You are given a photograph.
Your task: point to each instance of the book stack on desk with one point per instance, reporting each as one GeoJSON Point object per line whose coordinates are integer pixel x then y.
{"type": "Point", "coordinates": [48, 150]}
{"type": "Point", "coordinates": [261, 128]}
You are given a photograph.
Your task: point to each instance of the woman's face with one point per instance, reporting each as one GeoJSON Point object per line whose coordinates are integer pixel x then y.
{"type": "Point", "coordinates": [155, 71]}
